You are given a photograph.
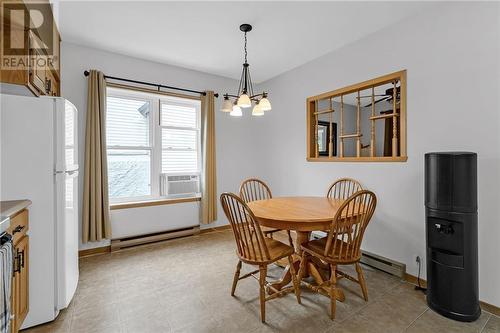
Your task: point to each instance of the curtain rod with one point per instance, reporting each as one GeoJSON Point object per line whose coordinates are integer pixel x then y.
{"type": "Point", "coordinates": [86, 73]}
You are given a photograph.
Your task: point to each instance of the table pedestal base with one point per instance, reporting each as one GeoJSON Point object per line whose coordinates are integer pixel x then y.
{"type": "Point", "coordinates": [316, 269]}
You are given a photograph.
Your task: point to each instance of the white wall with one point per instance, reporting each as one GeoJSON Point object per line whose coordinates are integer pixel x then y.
{"type": "Point", "coordinates": [233, 136]}
{"type": "Point", "coordinates": [152, 219]}
{"type": "Point", "coordinates": [452, 57]}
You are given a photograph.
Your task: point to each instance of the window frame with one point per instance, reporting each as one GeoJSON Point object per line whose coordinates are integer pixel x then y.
{"type": "Point", "coordinates": [311, 109]}
{"type": "Point", "coordinates": [155, 138]}
{"type": "Point", "coordinates": [196, 129]}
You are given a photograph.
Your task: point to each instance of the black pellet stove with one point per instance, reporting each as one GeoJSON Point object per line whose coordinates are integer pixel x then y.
{"type": "Point", "coordinates": [451, 234]}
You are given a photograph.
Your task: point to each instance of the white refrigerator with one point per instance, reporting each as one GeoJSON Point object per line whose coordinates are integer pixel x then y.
{"type": "Point", "coordinates": [39, 162]}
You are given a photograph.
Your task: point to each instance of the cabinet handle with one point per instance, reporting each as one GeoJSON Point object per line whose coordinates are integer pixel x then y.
{"type": "Point", "coordinates": [22, 258]}
{"type": "Point", "coordinates": [17, 263]}
{"type": "Point", "coordinates": [48, 86]}
{"type": "Point", "coordinates": [19, 228]}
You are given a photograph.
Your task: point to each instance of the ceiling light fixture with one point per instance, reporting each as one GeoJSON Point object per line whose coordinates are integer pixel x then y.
{"type": "Point", "coordinates": [235, 111]}
{"type": "Point", "coordinates": [245, 95]}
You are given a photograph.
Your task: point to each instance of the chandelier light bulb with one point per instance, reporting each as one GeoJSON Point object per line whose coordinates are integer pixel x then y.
{"type": "Point", "coordinates": [265, 105]}
{"type": "Point", "coordinates": [236, 112]}
{"type": "Point", "coordinates": [244, 101]}
{"type": "Point", "coordinates": [257, 110]}
{"type": "Point", "coordinates": [227, 106]}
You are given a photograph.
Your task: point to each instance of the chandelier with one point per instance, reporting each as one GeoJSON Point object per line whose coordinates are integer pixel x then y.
{"type": "Point", "coordinates": [245, 95]}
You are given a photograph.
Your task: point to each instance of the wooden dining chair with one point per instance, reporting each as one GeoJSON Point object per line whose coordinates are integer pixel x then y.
{"type": "Point", "coordinates": [342, 245]}
{"type": "Point", "coordinates": [253, 248]}
{"type": "Point", "coordinates": [343, 188]}
{"type": "Point", "coordinates": [253, 189]}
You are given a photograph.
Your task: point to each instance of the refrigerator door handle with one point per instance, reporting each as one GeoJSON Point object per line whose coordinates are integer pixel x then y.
{"type": "Point", "coordinates": [68, 172]}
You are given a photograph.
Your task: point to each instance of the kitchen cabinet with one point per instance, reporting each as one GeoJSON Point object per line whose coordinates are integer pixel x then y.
{"type": "Point", "coordinates": [32, 65]}
{"type": "Point", "coordinates": [37, 74]}
{"type": "Point", "coordinates": [20, 281]}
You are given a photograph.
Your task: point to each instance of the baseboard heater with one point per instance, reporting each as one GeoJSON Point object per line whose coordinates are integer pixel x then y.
{"type": "Point", "coordinates": [122, 243]}
{"type": "Point", "coordinates": [387, 265]}
{"type": "Point", "coordinates": [374, 260]}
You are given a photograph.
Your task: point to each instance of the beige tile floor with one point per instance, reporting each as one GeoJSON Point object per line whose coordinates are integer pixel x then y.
{"type": "Point", "coordinates": [183, 286]}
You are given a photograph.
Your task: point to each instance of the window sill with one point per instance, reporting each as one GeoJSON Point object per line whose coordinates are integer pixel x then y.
{"type": "Point", "coordinates": [159, 202]}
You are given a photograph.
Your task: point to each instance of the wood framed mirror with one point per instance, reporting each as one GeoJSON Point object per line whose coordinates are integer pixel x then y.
{"type": "Point", "coordinates": [371, 121]}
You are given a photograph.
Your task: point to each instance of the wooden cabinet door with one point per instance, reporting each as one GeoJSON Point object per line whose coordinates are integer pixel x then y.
{"type": "Point", "coordinates": [56, 42]}
{"type": "Point", "coordinates": [54, 68]}
{"type": "Point", "coordinates": [37, 74]}
{"type": "Point", "coordinates": [11, 72]}
{"type": "Point", "coordinates": [18, 226]}
{"type": "Point", "coordinates": [52, 83]}
{"type": "Point", "coordinates": [55, 88]}
{"type": "Point", "coordinates": [22, 249]}
{"type": "Point", "coordinates": [49, 84]}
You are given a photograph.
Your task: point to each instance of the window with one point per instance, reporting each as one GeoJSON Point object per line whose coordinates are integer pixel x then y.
{"type": "Point", "coordinates": [153, 145]}
{"type": "Point", "coordinates": [179, 134]}
{"type": "Point", "coordinates": [371, 121]}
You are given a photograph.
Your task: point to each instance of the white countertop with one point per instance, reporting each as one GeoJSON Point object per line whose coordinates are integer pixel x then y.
{"type": "Point", "coordinates": [12, 207]}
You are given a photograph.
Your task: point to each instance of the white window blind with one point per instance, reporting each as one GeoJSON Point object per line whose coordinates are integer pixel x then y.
{"type": "Point", "coordinates": [178, 115]}
{"type": "Point", "coordinates": [178, 139]}
{"type": "Point", "coordinates": [175, 161]}
{"type": "Point", "coordinates": [127, 122]}
{"type": "Point", "coordinates": [180, 136]}
{"type": "Point", "coordinates": [128, 125]}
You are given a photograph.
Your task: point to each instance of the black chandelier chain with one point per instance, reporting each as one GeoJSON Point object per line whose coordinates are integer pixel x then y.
{"type": "Point", "coordinates": [245, 48]}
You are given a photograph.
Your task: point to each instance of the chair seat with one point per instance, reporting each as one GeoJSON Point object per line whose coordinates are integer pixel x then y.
{"type": "Point", "coordinates": [277, 250]}
{"type": "Point", "coordinates": [267, 230]}
{"type": "Point", "coordinates": [317, 248]}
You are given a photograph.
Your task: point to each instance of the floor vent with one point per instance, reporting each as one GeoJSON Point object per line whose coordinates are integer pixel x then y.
{"type": "Point", "coordinates": [387, 265]}
{"type": "Point", "coordinates": [122, 243]}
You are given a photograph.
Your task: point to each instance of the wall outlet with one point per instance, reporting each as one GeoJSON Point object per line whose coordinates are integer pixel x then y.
{"type": "Point", "coordinates": [417, 259]}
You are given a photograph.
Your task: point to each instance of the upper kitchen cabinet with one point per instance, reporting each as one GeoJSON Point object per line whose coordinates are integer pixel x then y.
{"type": "Point", "coordinates": [30, 47]}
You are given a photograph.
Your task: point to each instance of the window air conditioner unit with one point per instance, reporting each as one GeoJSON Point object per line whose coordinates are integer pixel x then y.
{"type": "Point", "coordinates": [179, 185]}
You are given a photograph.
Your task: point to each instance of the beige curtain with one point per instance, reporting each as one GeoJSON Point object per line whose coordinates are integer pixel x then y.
{"type": "Point", "coordinates": [208, 176]}
{"type": "Point", "coordinates": [96, 225]}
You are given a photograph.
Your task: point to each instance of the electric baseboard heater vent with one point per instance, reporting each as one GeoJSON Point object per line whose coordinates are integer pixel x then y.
{"type": "Point", "coordinates": [122, 243]}
{"type": "Point", "coordinates": [387, 265]}
{"type": "Point", "coordinates": [374, 260]}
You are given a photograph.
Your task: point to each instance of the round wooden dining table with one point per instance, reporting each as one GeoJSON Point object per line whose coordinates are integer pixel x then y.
{"type": "Point", "coordinates": [302, 215]}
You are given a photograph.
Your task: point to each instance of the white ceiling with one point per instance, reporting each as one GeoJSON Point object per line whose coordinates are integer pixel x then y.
{"type": "Point", "coordinates": [205, 36]}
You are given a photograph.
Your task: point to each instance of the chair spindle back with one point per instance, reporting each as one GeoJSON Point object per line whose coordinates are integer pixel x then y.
{"type": "Point", "coordinates": [343, 188]}
{"type": "Point", "coordinates": [253, 189]}
{"type": "Point", "coordinates": [250, 242]}
{"type": "Point", "coordinates": [349, 225]}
